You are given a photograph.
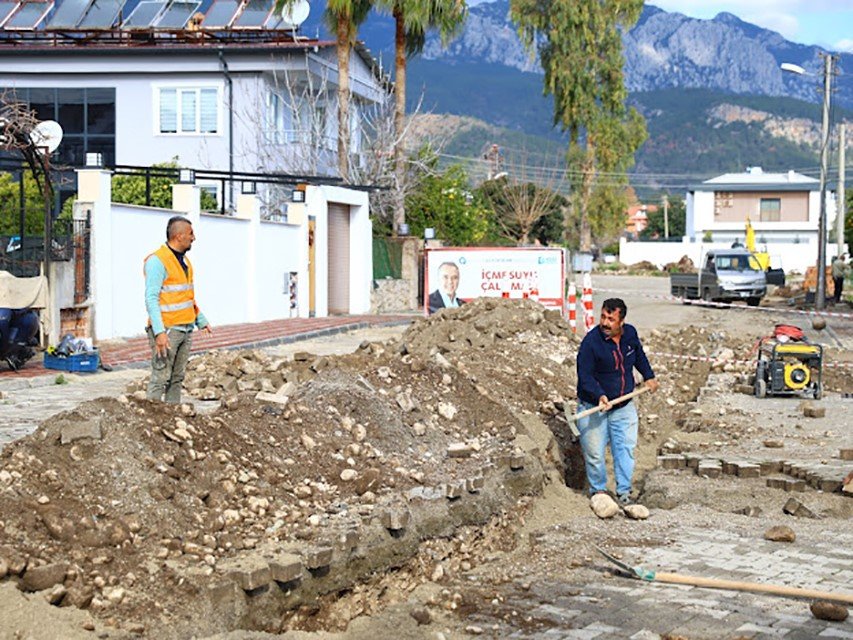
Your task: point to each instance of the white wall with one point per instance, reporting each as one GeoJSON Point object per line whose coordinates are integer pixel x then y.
{"type": "Point", "coordinates": [241, 263]}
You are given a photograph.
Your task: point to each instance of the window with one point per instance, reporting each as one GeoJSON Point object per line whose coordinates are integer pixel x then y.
{"type": "Point", "coordinates": [280, 120]}
{"type": "Point", "coordinates": [189, 110]}
{"type": "Point", "coordinates": [771, 210]}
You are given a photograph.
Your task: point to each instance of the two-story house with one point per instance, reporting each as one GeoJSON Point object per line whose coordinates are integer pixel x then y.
{"type": "Point", "coordinates": [783, 208]}
{"type": "Point", "coordinates": [231, 89]}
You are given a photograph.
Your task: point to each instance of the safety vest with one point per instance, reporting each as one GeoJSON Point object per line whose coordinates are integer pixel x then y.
{"type": "Point", "coordinates": [177, 299]}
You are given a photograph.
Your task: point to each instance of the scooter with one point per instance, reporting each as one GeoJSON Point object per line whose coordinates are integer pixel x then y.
{"type": "Point", "coordinates": [18, 336]}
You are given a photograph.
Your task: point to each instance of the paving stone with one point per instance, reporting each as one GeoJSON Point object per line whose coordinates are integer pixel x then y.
{"type": "Point", "coordinates": [709, 468]}
{"type": "Point", "coordinates": [454, 490]}
{"type": "Point", "coordinates": [794, 507]}
{"type": "Point", "coordinates": [317, 558]}
{"type": "Point", "coordinates": [795, 485]}
{"type": "Point", "coordinates": [249, 572]}
{"type": "Point", "coordinates": [285, 567]}
{"type": "Point", "coordinates": [776, 483]}
{"type": "Point", "coordinates": [814, 412]}
{"type": "Point", "coordinates": [80, 430]}
{"type": "Point", "coordinates": [475, 484]}
{"type": "Point", "coordinates": [672, 461]}
{"type": "Point", "coordinates": [396, 518]}
{"type": "Point", "coordinates": [748, 470]}
{"type": "Point", "coordinates": [770, 466]}
{"type": "Point", "coordinates": [845, 454]}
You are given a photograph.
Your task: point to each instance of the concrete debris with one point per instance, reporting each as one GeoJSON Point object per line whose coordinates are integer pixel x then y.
{"type": "Point", "coordinates": [825, 610]}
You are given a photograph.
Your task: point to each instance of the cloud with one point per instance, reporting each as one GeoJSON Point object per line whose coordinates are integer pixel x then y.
{"type": "Point", "coordinates": [784, 23]}
{"type": "Point", "coordinates": [844, 45]}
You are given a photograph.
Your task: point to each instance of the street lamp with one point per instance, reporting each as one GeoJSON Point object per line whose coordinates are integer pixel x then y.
{"type": "Point", "coordinates": [828, 59]}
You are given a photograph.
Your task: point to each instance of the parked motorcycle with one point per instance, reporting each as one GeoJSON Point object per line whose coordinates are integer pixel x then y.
{"type": "Point", "coordinates": [18, 336]}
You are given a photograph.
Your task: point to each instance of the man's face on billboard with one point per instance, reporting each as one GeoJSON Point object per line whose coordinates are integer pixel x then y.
{"type": "Point", "coordinates": [449, 276]}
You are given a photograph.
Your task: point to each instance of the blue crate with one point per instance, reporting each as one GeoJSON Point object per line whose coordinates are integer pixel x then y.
{"type": "Point", "coordinates": [79, 362]}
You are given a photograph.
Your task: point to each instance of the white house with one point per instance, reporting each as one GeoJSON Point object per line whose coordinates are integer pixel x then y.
{"type": "Point", "coordinates": [233, 93]}
{"type": "Point", "coordinates": [783, 209]}
{"type": "Point", "coordinates": [234, 90]}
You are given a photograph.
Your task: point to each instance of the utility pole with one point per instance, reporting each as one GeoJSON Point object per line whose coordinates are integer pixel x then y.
{"type": "Point", "coordinates": [665, 215]}
{"type": "Point", "coordinates": [841, 202]}
{"type": "Point", "coordinates": [820, 295]}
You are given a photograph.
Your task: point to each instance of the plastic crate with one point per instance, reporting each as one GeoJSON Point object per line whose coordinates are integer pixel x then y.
{"type": "Point", "coordinates": [79, 362]}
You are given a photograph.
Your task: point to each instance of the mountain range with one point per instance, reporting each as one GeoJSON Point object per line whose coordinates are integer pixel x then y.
{"type": "Point", "coordinates": [712, 91]}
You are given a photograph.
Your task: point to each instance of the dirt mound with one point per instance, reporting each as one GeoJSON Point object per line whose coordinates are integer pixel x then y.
{"type": "Point", "coordinates": [684, 265]}
{"type": "Point", "coordinates": [642, 267]}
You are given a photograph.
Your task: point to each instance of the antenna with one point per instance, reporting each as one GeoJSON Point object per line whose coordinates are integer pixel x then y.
{"type": "Point", "coordinates": [47, 134]}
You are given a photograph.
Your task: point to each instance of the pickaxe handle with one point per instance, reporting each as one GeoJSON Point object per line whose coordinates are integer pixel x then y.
{"type": "Point", "coordinates": [627, 396]}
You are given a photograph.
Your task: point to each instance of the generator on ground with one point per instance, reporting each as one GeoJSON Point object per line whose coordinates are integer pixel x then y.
{"type": "Point", "coordinates": [788, 365]}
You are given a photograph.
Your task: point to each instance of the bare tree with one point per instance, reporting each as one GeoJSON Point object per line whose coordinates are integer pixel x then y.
{"type": "Point", "coordinates": [523, 195]}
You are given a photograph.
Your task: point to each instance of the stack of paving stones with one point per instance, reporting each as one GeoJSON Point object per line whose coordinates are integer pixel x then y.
{"type": "Point", "coordinates": [788, 475]}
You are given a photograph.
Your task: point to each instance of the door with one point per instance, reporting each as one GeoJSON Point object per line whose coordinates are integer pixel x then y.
{"type": "Point", "coordinates": [312, 270]}
{"type": "Point", "coordinates": [338, 262]}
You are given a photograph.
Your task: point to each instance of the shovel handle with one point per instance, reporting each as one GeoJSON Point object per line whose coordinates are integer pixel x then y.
{"type": "Point", "coordinates": [779, 590]}
{"type": "Point", "coordinates": [588, 412]}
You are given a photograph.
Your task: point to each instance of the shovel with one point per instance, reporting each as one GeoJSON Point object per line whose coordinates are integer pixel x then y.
{"type": "Point", "coordinates": [734, 585]}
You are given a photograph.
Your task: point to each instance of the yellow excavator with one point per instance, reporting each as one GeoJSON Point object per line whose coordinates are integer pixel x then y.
{"type": "Point", "coordinates": [774, 276]}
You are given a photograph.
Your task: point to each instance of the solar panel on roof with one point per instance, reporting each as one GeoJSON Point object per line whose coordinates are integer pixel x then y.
{"type": "Point", "coordinates": [177, 15]}
{"type": "Point", "coordinates": [102, 14]}
{"type": "Point", "coordinates": [220, 14]}
{"type": "Point", "coordinates": [143, 15]}
{"type": "Point", "coordinates": [6, 9]}
{"type": "Point", "coordinates": [29, 15]}
{"type": "Point", "coordinates": [68, 14]}
{"type": "Point", "coordinates": [254, 14]}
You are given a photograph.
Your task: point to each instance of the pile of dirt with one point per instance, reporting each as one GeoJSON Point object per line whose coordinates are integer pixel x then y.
{"type": "Point", "coordinates": [109, 506]}
{"type": "Point", "coordinates": [642, 267]}
{"type": "Point", "coordinates": [684, 265]}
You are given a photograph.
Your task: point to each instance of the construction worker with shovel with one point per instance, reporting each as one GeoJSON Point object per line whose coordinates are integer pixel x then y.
{"type": "Point", "coordinates": [606, 361]}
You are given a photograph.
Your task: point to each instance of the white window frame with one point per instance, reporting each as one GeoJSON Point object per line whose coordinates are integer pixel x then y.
{"type": "Point", "coordinates": [213, 187]}
{"type": "Point", "coordinates": [178, 88]}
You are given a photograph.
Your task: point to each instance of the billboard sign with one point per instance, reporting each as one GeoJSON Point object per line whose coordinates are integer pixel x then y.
{"type": "Point", "coordinates": [456, 275]}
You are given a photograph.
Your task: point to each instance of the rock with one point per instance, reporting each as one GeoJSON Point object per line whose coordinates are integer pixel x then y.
{"type": "Point", "coordinates": [751, 511]}
{"type": "Point", "coordinates": [780, 533]}
{"type": "Point", "coordinates": [636, 512]}
{"type": "Point", "coordinates": [421, 615]}
{"type": "Point", "coordinates": [447, 410]}
{"type": "Point", "coordinates": [474, 630]}
{"type": "Point", "coordinates": [419, 428]}
{"type": "Point", "coordinates": [437, 573]}
{"type": "Point", "coordinates": [308, 442]}
{"type": "Point", "coordinates": [318, 558]}
{"type": "Point", "coordinates": [56, 594]}
{"type": "Point", "coordinates": [818, 323]}
{"type": "Point", "coordinates": [794, 507]}
{"type": "Point", "coordinates": [774, 444]}
{"type": "Point", "coordinates": [369, 480]}
{"type": "Point", "coordinates": [406, 402]}
{"type": "Point", "coordinates": [825, 610]}
{"type": "Point", "coordinates": [44, 577]}
{"type": "Point", "coordinates": [349, 474]}
{"type": "Point", "coordinates": [80, 430]}
{"type": "Point", "coordinates": [4, 568]}
{"type": "Point", "coordinates": [603, 505]}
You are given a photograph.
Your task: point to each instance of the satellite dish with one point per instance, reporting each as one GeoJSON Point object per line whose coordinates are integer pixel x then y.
{"type": "Point", "coordinates": [46, 134]}
{"type": "Point", "coordinates": [295, 14]}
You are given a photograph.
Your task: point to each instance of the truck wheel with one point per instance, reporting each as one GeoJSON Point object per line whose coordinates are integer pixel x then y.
{"type": "Point", "coordinates": [753, 302]}
{"type": "Point", "coordinates": [818, 391]}
{"type": "Point", "coordinates": [760, 389]}
{"type": "Point", "coordinates": [706, 295]}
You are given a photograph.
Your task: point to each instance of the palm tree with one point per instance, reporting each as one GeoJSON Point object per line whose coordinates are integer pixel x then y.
{"type": "Point", "coordinates": [412, 20]}
{"type": "Point", "coordinates": [343, 17]}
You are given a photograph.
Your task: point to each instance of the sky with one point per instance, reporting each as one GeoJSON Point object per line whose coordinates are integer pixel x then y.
{"type": "Point", "coordinates": [826, 23]}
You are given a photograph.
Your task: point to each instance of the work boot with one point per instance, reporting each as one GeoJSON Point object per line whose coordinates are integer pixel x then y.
{"type": "Point", "coordinates": [603, 505]}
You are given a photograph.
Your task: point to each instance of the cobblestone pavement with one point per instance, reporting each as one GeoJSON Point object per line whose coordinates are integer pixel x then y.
{"type": "Point", "coordinates": [625, 608]}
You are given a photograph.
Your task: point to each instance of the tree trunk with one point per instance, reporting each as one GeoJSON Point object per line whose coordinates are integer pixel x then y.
{"type": "Point", "coordinates": [343, 97]}
{"type": "Point", "coordinates": [399, 118]}
{"type": "Point", "coordinates": [588, 173]}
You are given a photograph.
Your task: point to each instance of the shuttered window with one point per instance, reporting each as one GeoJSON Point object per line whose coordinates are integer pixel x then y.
{"type": "Point", "coordinates": [189, 110]}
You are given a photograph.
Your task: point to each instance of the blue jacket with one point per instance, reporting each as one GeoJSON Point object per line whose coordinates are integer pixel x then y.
{"type": "Point", "coordinates": [607, 370]}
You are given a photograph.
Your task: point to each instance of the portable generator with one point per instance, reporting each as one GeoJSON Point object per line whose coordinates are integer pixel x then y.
{"type": "Point", "coordinates": [788, 369]}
